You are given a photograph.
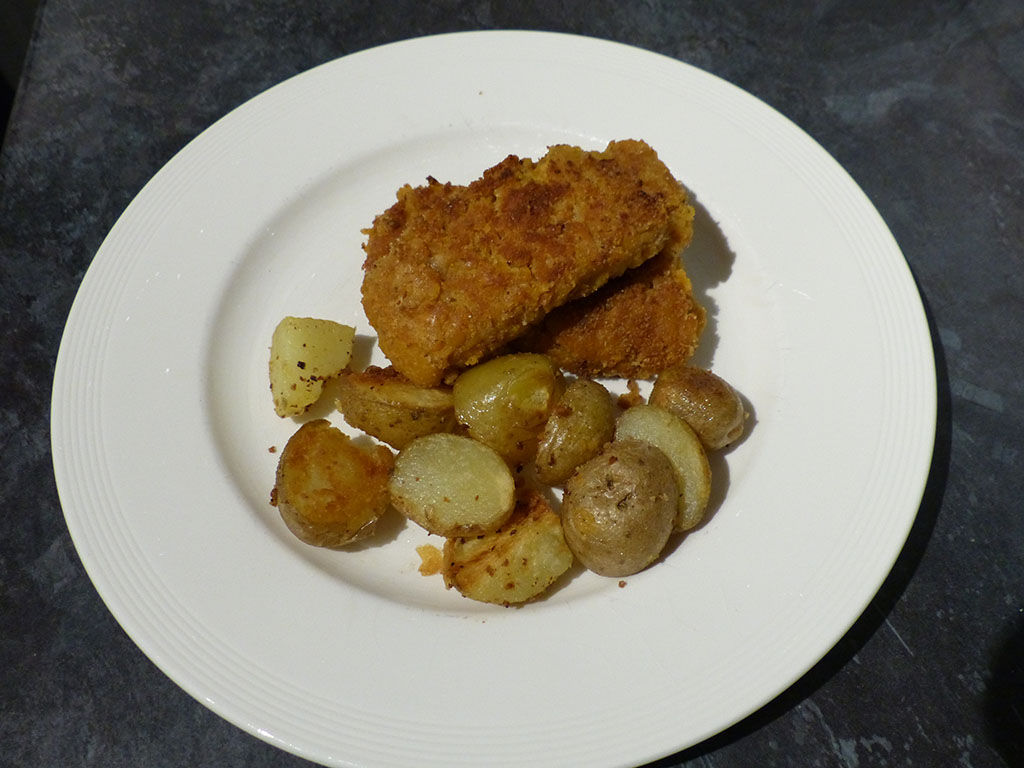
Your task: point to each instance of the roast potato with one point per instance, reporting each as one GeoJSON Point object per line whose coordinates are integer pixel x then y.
{"type": "Point", "coordinates": [515, 563]}
{"type": "Point", "coordinates": [329, 490]}
{"type": "Point", "coordinates": [618, 509]}
{"type": "Point", "coordinates": [304, 352]}
{"type": "Point", "coordinates": [580, 424]}
{"type": "Point", "coordinates": [684, 450]}
{"type": "Point", "coordinates": [383, 403]}
{"type": "Point", "coordinates": [703, 400]}
{"type": "Point", "coordinates": [452, 485]}
{"type": "Point", "coordinates": [506, 401]}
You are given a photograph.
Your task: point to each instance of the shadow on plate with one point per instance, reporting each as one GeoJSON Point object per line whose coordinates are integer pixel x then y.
{"type": "Point", "coordinates": [708, 261]}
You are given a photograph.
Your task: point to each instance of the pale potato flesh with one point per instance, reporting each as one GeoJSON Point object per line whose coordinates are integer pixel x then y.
{"type": "Point", "coordinates": [304, 353]}
{"type": "Point", "coordinates": [452, 485]}
{"type": "Point", "coordinates": [683, 447]}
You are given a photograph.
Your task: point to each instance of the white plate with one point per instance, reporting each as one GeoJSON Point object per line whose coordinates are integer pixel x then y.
{"type": "Point", "coordinates": [162, 421]}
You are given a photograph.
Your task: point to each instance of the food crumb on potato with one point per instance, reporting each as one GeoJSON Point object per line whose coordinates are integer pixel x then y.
{"type": "Point", "coordinates": [631, 396]}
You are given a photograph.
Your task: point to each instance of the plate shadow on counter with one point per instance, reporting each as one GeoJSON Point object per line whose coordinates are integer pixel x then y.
{"type": "Point", "coordinates": [878, 610]}
{"type": "Point", "coordinates": [1004, 696]}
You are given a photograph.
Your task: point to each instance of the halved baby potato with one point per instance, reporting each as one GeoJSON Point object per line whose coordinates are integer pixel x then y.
{"type": "Point", "coordinates": [619, 508]}
{"type": "Point", "coordinates": [514, 564]}
{"type": "Point", "coordinates": [304, 352]}
{"type": "Point", "coordinates": [704, 400]}
{"type": "Point", "coordinates": [580, 424]}
{"type": "Point", "coordinates": [505, 402]}
{"type": "Point", "coordinates": [452, 485]}
{"type": "Point", "coordinates": [329, 490]}
{"type": "Point", "coordinates": [383, 403]}
{"type": "Point", "coordinates": [683, 447]}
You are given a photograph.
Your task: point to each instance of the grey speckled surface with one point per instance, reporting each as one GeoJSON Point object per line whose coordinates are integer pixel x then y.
{"type": "Point", "coordinates": [923, 103]}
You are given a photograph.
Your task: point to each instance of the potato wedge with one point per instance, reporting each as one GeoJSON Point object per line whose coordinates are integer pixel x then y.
{"type": "Point", "coordinates": [383, 403]}
{"type": "Point", "coordinates": [514, 564]}
{"type": "Point", "coordinates": [452, 485]}
{"type": "Point", "coordinates": [304, 352]}
{"type": "Point", "coordinates": [619, 508]}
{"type": "Point", "coordinates": [680, 444]}
{"type": "Point", "coordinates": [506, 401]}
{"type": "Point", "coordinates": [703, 400]}
{"type": "Point", "coordinates": [580, 424]}
{"type": "Point", "coordinates": [329, 490]}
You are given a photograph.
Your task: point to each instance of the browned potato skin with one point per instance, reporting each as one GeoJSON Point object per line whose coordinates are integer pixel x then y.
{"type": "Point", "coordinates": [329, 490]}
{"type": "Point", "coordinates": [703, 400]}
{"type": "Point", "coordinates": [514, 564]}
{"type": "Point", "coordinates": [619, 508]}
{"type": "Point", "coordinates": [383, 403]}
{"type": "Point", "coordinates": [504, 402]}
{"type": "Point", "coordinates": [581, 423]}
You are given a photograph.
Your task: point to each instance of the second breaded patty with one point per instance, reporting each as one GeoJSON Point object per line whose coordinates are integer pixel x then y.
{"type": "Point", "coordinates": [634, 327]}
{"type": "Point", "coordinates": [453, 273]}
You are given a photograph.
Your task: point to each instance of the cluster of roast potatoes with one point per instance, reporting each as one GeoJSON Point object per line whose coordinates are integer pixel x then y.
{"type": "Point", "coordinates": [478, 462]}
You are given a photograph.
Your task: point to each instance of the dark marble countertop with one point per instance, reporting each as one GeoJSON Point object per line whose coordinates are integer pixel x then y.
{"type": "Point", "coordinates": [923, 103]}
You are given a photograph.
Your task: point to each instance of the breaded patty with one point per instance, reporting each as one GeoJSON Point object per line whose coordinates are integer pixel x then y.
{"type": "Point", "coordinates": [453, 273]}
{"type": "Point", "coordinates": [634, 327]}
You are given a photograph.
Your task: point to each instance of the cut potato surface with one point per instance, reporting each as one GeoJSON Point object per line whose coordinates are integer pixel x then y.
{"type": "Point", "coordinates": [304, 352]}
{"type": "Point", "coordinates": [452, 485]}
{"type": "Point", "coordinates": [514, 564]}
{"type": "Point", "coordinates": [329, 490]}
{"type": "Point", "coordinates": [677, 440]}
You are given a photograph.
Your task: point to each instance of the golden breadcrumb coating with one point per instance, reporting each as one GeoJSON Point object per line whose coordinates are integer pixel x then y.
{"type": "Point", "coordinates": [634, 327]}
{"type": "Point", "coordinates": [453, 273]}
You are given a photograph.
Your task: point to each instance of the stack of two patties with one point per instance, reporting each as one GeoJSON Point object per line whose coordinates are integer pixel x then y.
{"type": "Point", "coordinates": [575, 255]}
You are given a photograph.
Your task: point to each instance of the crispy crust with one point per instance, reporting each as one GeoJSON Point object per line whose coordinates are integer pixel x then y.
{"type": "Point", "coordinates": [454, 273]}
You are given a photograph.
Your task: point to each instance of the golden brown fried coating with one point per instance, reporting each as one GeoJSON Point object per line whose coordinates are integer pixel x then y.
{"type": "Point", "coordinates": [329, 490]}
{"type": "Point", "coordinates": [634, 327]}
{"type": "Point", "coordinates": [453, 273]}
